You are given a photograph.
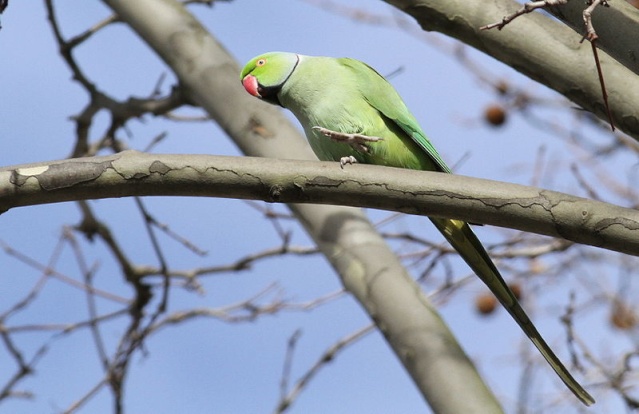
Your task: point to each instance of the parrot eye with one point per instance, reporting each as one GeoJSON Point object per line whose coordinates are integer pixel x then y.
{"type": "Point", "coordinates": [260, 62]}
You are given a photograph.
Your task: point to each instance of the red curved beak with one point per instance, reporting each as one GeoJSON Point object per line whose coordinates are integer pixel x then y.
{"type": "Point", "coordinates": [251, 85]}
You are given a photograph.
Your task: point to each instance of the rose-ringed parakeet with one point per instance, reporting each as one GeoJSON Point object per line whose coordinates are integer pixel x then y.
{"type": "Point", "coordinates": [350, 113]}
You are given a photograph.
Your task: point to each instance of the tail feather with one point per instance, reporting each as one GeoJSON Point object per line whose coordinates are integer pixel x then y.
{"type": "Point", "coordinates": [462, 238]}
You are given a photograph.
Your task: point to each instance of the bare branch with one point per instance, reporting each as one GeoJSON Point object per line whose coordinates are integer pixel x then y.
{"type": "Point", "coordinates": [286, 400]}
{"type": "Point", "coordinates": [526, 8]}
{"type": "Point", "coordinates": [60, 276]}
{"type": "Point", "coordinates": [545, 41]}
{"type": "Point", "coordinates": [414, 192]}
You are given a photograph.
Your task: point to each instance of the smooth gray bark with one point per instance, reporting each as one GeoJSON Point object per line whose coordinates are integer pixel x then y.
{"type": "Point", "coordinates": [426, 193]}
{"type": "Point", "coordinates": [543, 49]}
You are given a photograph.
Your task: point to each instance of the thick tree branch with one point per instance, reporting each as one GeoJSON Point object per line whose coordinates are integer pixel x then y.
{"type": "Point", "coordinates": [425, 193]}
{"type": "Point", "coordinates": [539, 47]}
{"type": "Point", "coordinates": [617, 27]}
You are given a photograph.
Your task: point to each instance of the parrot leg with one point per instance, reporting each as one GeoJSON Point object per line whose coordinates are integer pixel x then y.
{"type": "Point", "coordinates": [347, 160]}
{"type": "Point", "coordinates": [357, 141]}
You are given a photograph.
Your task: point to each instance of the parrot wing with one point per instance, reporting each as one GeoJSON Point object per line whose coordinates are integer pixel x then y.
{"type": "Point", "coordinates": [382, 96]}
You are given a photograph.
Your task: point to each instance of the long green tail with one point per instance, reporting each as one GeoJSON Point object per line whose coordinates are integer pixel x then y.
{"type": "Point", "coordinates": [462, 238]}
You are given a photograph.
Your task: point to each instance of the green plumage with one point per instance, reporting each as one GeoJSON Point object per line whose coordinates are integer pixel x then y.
{"type": "Point", "coordinates": [349, 97]}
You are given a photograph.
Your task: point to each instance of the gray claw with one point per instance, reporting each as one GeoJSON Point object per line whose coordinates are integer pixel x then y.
{"type": "Point", "coordinates": [347, 160]}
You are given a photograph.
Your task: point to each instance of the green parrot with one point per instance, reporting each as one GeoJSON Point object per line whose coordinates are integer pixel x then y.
{"type": "Point", "coordinates": [350, 113]}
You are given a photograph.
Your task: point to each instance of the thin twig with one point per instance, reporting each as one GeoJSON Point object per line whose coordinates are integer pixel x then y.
{"type": "Point", "coordinates": [288, 362]}
{"type": "Point", "coordinates": [91, 302]}
{"type": "Point", "coordinates": [326, 357]}
{"type": "Point", "coordinates": [149, 221]}
{"type": "Point", "coordinates": [526, 8]}
{"type": "Point", "coordinates": [604, 94]}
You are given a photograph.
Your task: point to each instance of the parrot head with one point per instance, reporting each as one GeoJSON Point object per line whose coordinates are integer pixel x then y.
{"type": "Point", "coordinates": [264, 75]}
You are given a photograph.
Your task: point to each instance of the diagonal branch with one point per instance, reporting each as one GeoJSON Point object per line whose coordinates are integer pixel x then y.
{"type": "Point", "coordinates": [543, 49]}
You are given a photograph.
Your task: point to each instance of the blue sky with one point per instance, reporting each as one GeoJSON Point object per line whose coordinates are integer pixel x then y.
{"type": "Point", "coordinates": [208, 366]}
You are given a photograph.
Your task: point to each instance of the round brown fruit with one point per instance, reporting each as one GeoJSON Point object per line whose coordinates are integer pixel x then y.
{"type": "Point", "coordinates": [495, 115]}
{"type": "Point", "coordinates": [486, 303]}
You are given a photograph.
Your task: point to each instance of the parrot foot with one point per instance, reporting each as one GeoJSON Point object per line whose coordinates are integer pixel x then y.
{"type": "Point", "coordinates": [357, 141]}
{"type": "Point", "coordinates": [347, 160]}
